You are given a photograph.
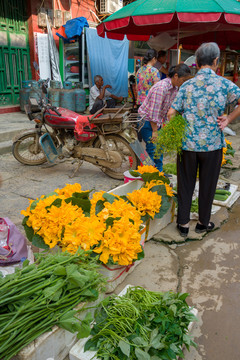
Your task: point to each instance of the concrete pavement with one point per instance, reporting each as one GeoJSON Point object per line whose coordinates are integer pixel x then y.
{"type": "Point", "coordinates": [209, 270]}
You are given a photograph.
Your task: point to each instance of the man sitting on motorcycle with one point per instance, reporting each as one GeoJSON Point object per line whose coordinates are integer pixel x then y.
{"type": "Point", "coordinates": [100, 96]}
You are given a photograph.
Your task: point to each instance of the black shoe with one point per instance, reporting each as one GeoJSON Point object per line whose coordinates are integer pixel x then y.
{"type": "Point", "coordinates": [183, 231]}
{"type": "Point", "coordinates": [167, 175]}
{"type": "Point", "coordinates": [201, 228]}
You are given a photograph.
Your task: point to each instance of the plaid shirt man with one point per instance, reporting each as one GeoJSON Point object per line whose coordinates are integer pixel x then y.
{"type": "Point", "coordinates": [156, 105]}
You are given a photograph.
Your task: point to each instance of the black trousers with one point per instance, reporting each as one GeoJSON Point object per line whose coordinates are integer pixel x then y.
{"type": "Point", "coordinates": [99, 104]}
{"type": "Point", "coordinates": [209, 164]}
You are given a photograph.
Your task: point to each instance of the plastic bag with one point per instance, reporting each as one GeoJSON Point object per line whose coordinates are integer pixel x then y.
{"type": "Point", "coordinates": [16, 244]}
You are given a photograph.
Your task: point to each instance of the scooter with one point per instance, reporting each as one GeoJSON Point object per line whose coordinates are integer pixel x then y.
{"type": "Point", "coordinates": [102, 139]}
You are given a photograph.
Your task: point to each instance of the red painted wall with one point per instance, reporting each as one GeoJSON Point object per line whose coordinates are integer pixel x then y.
{"type": "Point", "coordinates": [78, 8]}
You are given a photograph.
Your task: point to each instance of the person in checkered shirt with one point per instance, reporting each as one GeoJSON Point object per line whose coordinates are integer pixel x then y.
{"type": "Point", "coordinates": [156, 105]}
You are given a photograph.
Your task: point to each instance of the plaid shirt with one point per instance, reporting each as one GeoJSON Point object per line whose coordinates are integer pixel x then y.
{"type": "Point", "coordinates": [156, 105]}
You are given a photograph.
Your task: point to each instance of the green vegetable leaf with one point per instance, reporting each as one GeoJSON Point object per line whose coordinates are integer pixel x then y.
{"type": "Point", "coordinates": [173, 309]}
{"type": "Point", "coordinates": [171, 353]}
{"type": "Point", "coordinates": [125, 347]}
{"type": "Point", "coordinates": [142, 355]}
{"type": "Point", "coordinates": [84, 204]}
{"type": "Point", "coordinates": [84, 330]}
{"type": "Point", "coordinates": [25, 219]}
{"type": "Point", "coordinates": [57, 203]}
{"type": "Point", "coordinates": [25, 263]}
{"type": "Point", "coordinates": [147, 177]}
{"type": "Point", "coordinates": [174, 348]}
{"type": "Point", "coordinates": [139, 341]}
{"type": "Point", "coordinates": [141, 255]}
{"type": "Point", "coordinates": [34, 204]}
{"type": "Point", "coordinates": [29, 232]}
{"type": "Point", "coordinates": [183, 296]}
{"type": "Point", "coordinates": [156, 342]}
{"type": "Point", "coordinates": [38, 241]}
{"type": "Point", "coordinates": [165, 206]}
{"type": "Point", "coordinates": [81, 195]}
{"type": "Point", "coordinates": [99, 206]}
{"type": "Point", "coordinates": [91, 344]}
{"type": "Point", "coordinates": [69, 322]}
{"type": "Point", "coordinates": [134, 173]}
{"type": "Point", "coordinates": [60, 270]}
{"type": "Point", "coordinates": [54, 292]}
{"type": "Point", "coordinates": [109, 197]}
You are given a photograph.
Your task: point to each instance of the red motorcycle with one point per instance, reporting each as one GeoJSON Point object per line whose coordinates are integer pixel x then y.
{"type": "Point", "coordinates": [102, 139]}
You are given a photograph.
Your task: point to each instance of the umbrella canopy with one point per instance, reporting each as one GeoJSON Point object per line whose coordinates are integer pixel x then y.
{"type": "Point", "coordinates": [206, 20]}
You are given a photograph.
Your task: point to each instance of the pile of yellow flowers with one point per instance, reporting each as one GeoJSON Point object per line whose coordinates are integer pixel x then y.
{"type": "Point", "coordinates": [226, 152]}
{"type": "Point", "coordinates": [68, 219]}
{"type": "Point", "coordinates": [108, 225]}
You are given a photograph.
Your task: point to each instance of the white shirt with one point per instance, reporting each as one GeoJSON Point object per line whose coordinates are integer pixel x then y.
{"type": "Point", "coordinates": [94, 93]}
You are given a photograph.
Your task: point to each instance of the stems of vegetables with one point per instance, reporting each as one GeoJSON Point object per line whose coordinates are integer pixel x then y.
{"type": "Point", "coordinates": [35, 298]}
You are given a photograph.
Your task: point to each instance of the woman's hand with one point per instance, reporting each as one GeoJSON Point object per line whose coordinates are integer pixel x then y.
{"type": "Point", "coordinates": [223, 121]}
{"type": "Point", "coordinates": [154, 135]}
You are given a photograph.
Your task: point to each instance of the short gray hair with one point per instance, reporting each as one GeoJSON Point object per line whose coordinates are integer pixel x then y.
{"type": "Point", "coordinates": [97, 78]}
{"type": "Point", "coordinates": [207, 53]}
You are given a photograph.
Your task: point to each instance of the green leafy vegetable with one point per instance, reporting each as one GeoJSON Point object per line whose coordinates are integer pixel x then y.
{"type": "Point", "coordinates": [170, 136]}
{"type": "Point", "coordinates": [44, 294]}
{"type": "Point", "coordinates": [141, 325]}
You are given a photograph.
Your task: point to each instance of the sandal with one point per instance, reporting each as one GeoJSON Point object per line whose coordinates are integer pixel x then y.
{"type": "Point", "coordinates": [201, 228]}
{"type": "Point", "coordinates": [183, 231]}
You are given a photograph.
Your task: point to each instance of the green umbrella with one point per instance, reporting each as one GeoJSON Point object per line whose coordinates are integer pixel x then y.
{"type": "Point", "coordinates": [206, 20]}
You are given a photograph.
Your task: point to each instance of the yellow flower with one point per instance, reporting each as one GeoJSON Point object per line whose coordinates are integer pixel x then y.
{"type": "Point", "coordinates": [147, 202]}
{"type": "Point", "coordinates": [223, 159]}
{"type": "Point", "coordinates": [118, 209]}
{"type": "Point", "coordinates": [85, 232]}
{"type": "Point", "coordinates": [169, 190]}
{"type": "Point", "coordinates": [148, 169]}
{"type": "Point", "coordinates": [228, 142]}
{"type": "Point", "coordinates": [69, 189]}
{"type": "Point", "coordinates": [121, 242]}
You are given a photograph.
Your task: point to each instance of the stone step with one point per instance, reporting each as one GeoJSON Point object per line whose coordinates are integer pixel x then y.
{"type": "Point", "coordinates": [9, 135]}
{"type": "Point", "coordinates": [5, 147]}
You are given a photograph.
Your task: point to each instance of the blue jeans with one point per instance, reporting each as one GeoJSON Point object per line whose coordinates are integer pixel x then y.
{"type": "Point", "coordinates": [146, 133]}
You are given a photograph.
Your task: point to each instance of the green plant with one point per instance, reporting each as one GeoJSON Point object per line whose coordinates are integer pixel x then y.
{"type": "Point", "coordinates": [141, 325]}
{"type": "Point", "coordinates": [170, 136]}
{"type": "Point", "coordinates": [170, 168]}
{"type": "Point", "coordinates": [44, 294]}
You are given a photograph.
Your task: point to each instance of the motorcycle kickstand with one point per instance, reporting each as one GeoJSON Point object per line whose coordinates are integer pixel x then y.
{"type": "Point", "coordinates": [77, 168]}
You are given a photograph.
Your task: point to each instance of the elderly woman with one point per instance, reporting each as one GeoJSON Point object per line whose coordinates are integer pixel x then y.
{"type": "Point", "coordinates": [201, 101]}
{"type": "Point", "coordinates": [156, 105]}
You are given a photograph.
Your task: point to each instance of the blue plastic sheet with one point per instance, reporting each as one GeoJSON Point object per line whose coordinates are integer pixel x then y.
{"type": "Point", "coordinates": [109, 58]}
{"type": "Point", "coordinates": [73, 28]}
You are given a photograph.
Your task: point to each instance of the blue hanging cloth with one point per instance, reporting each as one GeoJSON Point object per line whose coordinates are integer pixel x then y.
{"type": "Point", "coordinates": [109, 58]}
{"type": "Point", "coordinates": [72, 29]}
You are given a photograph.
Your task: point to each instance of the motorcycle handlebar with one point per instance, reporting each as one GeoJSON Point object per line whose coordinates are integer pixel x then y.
{"type": "Point", "coordinates": [56, 111]}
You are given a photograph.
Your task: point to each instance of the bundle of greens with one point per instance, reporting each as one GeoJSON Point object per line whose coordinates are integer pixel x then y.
{"type": "Point", "coordinates": [44, 294]}
{"type": "Point", "coordinates": [141, 325]}
{"type": "Point", "coordinates": [170, 168]}
{"type": "Point", "coordinates": [170, 136]}
{"type": "Point", "coordinates": [194, 206]}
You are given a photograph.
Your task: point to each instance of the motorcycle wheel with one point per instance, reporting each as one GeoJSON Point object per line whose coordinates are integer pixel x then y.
{"type": "Point", "coordinates": [24, 150]}
{"type": "Point", "coordinates": [129, 158]}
